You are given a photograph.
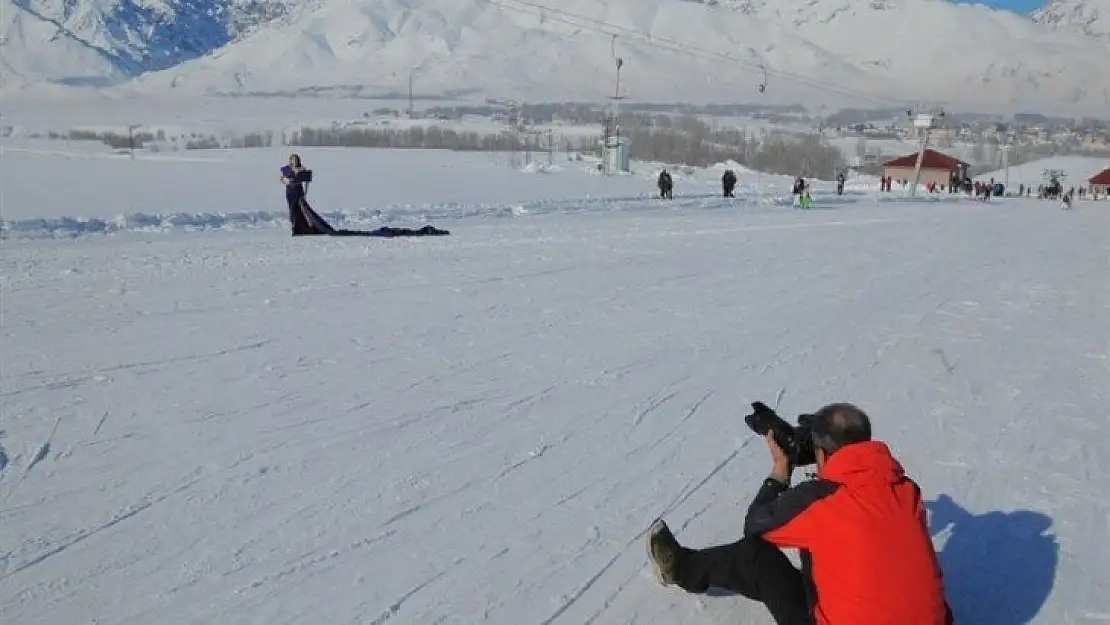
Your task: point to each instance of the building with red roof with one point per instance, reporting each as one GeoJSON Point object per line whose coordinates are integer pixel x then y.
{"type": "Point", "coordinates": [935, 167]}
{"type": "Point", "coordinates": [1100, 183]}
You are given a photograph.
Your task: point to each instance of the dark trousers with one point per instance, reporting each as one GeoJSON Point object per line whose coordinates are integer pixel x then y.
{"type": "Point", "coordinates": [751, 567]}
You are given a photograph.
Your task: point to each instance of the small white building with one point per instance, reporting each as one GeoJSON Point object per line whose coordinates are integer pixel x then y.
{"type": "Point", "coordinates": [617, 155]}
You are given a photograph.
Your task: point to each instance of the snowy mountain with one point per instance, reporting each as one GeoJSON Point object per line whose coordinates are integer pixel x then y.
{"type": "Point", "coordinates": [834, 52]}
{"type": "Point", "coordinates": [1091, 17]}
{"type": "Point", "coordinates": [97, 42]}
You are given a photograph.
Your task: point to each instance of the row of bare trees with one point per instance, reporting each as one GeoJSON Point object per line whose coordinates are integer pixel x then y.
{"type": "Point", "coordinates": [686, 140]}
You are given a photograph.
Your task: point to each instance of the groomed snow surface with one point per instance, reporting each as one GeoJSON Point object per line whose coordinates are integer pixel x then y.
{"type": "Point", "coordinates": [231, 426]}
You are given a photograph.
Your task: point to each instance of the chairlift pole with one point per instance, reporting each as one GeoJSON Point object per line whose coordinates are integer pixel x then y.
{"type": "Point", "coordinates": [1006, 167]}
{"type": "Point", "coordinates": [131, 140]}
{"type": "Point", "coordinates": [925, 122]}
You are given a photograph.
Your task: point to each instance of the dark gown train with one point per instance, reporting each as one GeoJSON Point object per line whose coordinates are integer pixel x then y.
{"type": "Point", "coordinates": [306, 221]}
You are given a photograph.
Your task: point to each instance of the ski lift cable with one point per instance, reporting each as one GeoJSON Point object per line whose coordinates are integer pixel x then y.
{"type": "Point", "coordinates": [674, 45]}
{"type": "Point", "coordinates": [680, 46]}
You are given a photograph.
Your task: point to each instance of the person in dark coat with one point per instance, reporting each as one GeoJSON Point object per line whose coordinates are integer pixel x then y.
{"type": "Point", "coordinates": [728, 182]}
{"type": "Point", "coordinates": [867, 556]}
{"type": "Point", "coordinates": [306, 221]}
{"type": "Point", "coordinates": [666, 185]}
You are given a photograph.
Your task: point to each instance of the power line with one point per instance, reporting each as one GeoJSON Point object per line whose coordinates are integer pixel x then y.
{"type": "Point", "coordinates": [674, 45]}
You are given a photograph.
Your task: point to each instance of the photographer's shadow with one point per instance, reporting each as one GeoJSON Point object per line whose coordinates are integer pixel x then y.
{"type": "Point", "coordinates": [999, 567]}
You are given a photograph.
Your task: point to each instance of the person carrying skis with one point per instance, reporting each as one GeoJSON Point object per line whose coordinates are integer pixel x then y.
{"type": "Point", "coordinates": [867, 557]}
{"type": "Point", "coordinates": [728, 182]}
{"type": "Point", "coordinates": [666, 185]}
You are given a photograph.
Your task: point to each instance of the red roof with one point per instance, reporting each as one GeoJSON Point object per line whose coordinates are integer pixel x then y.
{"type": "Point", "coordinates": [931, 160]}
{"type": "Point", "coordinates": [1103, 178]}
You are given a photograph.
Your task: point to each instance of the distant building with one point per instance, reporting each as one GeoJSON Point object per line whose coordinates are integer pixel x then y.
{"type": "Point", "coordinates": [935, 167]}
{"type": "Point", "coordinates": [1100, 183]}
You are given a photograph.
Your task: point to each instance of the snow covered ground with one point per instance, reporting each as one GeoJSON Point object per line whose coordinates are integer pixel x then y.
{"type": "Point", "coordinates": [192, 189]}
{"type": "Point", "coordinates": [236, 116]}
{"type": "Point", "coordinates": [232, 426]}
{"type": "Point", "coordinates": [1076, 171]}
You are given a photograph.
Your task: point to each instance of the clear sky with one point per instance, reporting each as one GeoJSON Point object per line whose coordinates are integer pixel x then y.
{"type": "Point", "coordinates": [1019, 6]}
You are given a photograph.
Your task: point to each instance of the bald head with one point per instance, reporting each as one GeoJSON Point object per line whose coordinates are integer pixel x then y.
{"type": "Point", "coordinates": [837, 425]}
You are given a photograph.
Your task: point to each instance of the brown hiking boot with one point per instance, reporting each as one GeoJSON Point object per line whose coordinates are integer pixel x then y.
{"type": "Point", "coordinates": [663, 550]}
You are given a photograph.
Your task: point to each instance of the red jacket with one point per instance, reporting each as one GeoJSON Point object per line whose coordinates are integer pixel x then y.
{"type": "Point", "coordinates": [866, 549]}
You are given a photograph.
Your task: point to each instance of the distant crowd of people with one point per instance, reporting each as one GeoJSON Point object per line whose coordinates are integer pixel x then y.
{"type": "Point", "coordinates": [800, 191]}
{"type": "Point", "coordinates": [958, 182]}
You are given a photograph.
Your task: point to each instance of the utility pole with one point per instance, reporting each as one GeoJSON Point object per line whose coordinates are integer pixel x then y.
{"type": "Point", "coordinates": [131, 139]}
{"type": "Point", "coordinates": [411, 109]}
{"type": "Point", "coordinates": [924, 123]}
{"type": "Point", "coordinates": [514, 132]}
{"type": "Point", "coordinates": [613, 165]}
{"type": "Point", "coordinates": [1006, 167]}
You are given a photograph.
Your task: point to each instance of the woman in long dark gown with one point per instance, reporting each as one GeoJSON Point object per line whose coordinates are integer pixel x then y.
{"type": "Point", "coordinates": [306, 221]}
{"type": "Point", "coordinates": [294, 176]}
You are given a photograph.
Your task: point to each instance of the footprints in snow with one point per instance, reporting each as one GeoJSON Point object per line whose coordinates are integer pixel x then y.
{"type": "Point", "coordinates": [537, 452]}
{"type": "Point", "coordinates": [653, 405]}
{"type": "Point", "coordinates": [44, 447]}
{"type": "Point", "coordinates": [42, 452]}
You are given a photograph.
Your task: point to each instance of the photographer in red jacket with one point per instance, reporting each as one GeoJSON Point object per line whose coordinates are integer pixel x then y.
{"type": "Point", "coordinates": [867, 558]}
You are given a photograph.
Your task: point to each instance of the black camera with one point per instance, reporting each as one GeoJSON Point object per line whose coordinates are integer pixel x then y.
{"type": "Point", "coordinates": [797, 442]}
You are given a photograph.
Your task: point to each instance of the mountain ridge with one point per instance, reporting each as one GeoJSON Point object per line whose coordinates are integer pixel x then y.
{"type": "Point", "coordinates": [1088, 17]}
{"type": "Point", "coordinates": [897, 51]}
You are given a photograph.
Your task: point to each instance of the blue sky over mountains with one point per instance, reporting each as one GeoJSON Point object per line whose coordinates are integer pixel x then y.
{"type": "Point", "coordinates": [1017, 6]}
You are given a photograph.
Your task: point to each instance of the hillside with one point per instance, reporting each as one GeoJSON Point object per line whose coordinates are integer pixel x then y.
{"type": "Point", "coordinates": [819, 52]}
{"type": "Point", "coordinates": [99, 42]}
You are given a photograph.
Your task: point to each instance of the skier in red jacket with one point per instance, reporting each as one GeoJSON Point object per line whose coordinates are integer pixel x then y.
{"type": "Point", "coordinates": [867, 558]}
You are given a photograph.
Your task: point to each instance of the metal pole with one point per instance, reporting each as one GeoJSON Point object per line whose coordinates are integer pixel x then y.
{"type": "Point", "coordinates": [930, 121]}
{"type": "Point", "coordinates": [920, 159]}
{"type": "Point", "coordinates": [410, 95]}
{"type": "Point", "coordinates": [612, 154]}
{"type": "Point", "coordinates": [1006, 160]}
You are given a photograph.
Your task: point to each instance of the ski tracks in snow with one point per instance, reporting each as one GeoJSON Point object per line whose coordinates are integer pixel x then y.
{"type": "Point", "coordinates": [41, 453]}
{"type": "Point", "coordinates": [448, 432]}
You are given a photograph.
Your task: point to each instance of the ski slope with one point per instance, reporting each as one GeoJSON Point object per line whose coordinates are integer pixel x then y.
{"type": "Point", "coordinates": [231, 426]}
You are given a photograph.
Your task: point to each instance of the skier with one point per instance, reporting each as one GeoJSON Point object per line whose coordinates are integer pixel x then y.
{"type": "Point", "coordinates": [802, 198]}
{"type": "Point", "coordinates": [1065, 201]}
{"type": "Point", "coordinates": [728, 182]}
{"type": "Point", "coordinates": [666, 185]}
{"type": "Point", "coordinates": [840, 183]}
{"type": "Point", "coordinates": [867, 557]}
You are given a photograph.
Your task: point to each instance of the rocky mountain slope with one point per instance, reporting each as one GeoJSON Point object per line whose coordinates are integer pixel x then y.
{"type": "Point", "coordinates": [835, 52]}
{"type": "Point", "coordinates": [1089, 17]}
